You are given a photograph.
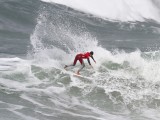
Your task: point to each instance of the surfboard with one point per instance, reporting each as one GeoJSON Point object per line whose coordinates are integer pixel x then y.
{"type": "Point", "coordinates": [82, 76]}
{"type": "Point", "coordinates": [71, 73]}
{"type": "Point", "coordinates": [76, 75]}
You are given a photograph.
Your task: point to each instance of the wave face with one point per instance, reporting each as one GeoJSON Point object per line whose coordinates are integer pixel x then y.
{"type": "Point", "coordinates": [125, 81]}
{"type": "Point", "coordinates": [121, 10]}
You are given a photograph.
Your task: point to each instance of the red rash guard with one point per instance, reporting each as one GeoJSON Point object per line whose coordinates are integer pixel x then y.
{"type": "Point", "coordinates": [85, 55]}
{"type": "Point", "coordinates": [81, 56]}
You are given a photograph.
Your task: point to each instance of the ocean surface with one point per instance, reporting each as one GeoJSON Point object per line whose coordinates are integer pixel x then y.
{"type": "Point", "coordinates": [38, 37]}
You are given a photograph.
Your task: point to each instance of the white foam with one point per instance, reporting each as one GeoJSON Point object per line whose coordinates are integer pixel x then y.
{"type": "Point", "coordinates": [121, 10]}
{"type": "Point", "coordinates": [151, 113]}
{"type": "Point", "coordinates": [137, 71]}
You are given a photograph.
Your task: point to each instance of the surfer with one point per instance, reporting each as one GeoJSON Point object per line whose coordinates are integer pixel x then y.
{"type": "Point", "coordinates": [80, 57]}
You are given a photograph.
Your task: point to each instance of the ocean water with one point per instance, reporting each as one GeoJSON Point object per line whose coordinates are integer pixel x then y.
{"type": "Point", "coordinates": [37, 38]}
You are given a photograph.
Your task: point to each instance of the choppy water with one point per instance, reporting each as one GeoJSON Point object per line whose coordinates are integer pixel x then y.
{"type": "Point", "coordinates": [38, 38]}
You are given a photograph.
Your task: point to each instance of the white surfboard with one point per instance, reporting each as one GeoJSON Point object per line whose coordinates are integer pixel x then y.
{"type": "Point", "coordinates": [82, 76]}
{"type": "Point", "coordinates": [75, 75]}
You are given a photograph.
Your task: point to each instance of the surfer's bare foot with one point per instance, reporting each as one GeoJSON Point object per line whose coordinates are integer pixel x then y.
{"type": "Point", "coordinates": [78, 73]}
{"type": "Point", "coordinates": [65, 66]}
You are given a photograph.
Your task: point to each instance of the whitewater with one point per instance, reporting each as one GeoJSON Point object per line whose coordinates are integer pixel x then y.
{"type": "Point", "coordinates": [39, 37]}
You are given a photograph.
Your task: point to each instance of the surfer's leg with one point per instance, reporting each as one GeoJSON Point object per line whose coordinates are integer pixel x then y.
{"type": "Point", "coordinates": [83, 65]}
{"type": "Point", "coordinates": [69, 65]}
{"type": "Point", "coordinates": [74, 63]}
{"type": "Point", "coordinates": [75, 60]}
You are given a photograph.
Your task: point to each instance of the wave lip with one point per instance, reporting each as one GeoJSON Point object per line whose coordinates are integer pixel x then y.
{"type": "Point", "coordinates": [119, 10]}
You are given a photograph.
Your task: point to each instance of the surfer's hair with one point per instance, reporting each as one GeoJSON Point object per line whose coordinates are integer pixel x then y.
{"type": "Point", "coordinates": [91, 52]}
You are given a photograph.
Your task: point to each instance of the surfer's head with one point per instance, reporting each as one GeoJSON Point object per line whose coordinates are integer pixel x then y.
{"type": "Point", "coordinates": [91, 53]}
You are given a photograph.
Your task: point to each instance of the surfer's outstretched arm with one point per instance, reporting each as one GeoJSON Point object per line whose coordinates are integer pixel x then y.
{"type": "Point", "coordinates": [88, 61]}
{"type": "Point", "coordinates": [93, 59]}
